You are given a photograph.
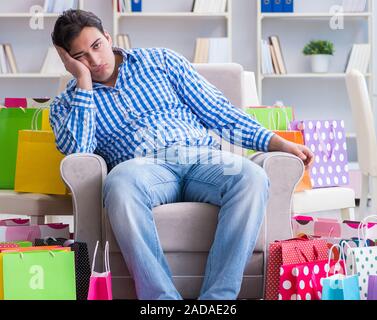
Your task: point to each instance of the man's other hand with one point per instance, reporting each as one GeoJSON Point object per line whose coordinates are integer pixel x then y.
{"type": "Point", "coordinates": [277, 143]}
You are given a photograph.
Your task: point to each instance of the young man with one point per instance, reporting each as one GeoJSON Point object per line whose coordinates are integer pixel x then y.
{"type": "Point", "coordinates": [147, 112]}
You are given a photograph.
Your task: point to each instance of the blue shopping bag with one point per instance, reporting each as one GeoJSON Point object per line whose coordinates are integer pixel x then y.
{"type": "Point", "coordinates": [339, 286]}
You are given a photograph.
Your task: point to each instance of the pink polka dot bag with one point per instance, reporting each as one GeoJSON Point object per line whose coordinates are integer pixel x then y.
{"type": "Point", "coordinates": [327, 140]}
{"type": "Point", "coordinates": [303, 281]}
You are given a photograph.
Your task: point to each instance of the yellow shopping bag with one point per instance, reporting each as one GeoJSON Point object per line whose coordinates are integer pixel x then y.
{"type": "Point", "coordinates": [38, 163]}
{"type": "Point", "coordinates": [45, 120]}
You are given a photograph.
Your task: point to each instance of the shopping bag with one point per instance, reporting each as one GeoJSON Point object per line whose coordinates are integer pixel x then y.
{"type": "Point", "coordinates": [341, 286]}
{"type": "Point", "coordinates": [82, 264]}
{"type": "Point", "coordinates": [46, 120]}
{"type": "Point", "coordinates": [20, 248]}
{"type": "Point", "coordinates": [38, 164]}
{"type": "Point", "coordinates": [283, 253]}
{"type": "Point", "coordinates": [364, 259]}
{"type": "Point", "coordinates": [327, 140]}
{"type": "Point", "coordinates": [15, 222]}
{"type": "Point", "coordinates": [100, 286]}
{"type": "Point", "coordinates": [303, 281]}
{"type": "Point", "coordinates": [272, 117]}
{"type": "Point", "coordinates": [30, 233]}
{"type": "Point", "coordinates": [40, 103]}
{"type": "Point", "coordinates": [333, 228]}
{"type": "Point", "coordinates": [39, 275]}
{"type": "Point", "coordinates": [15, 103]}
{"type": "Point", "coordinates": [11, 121]}
{"type": "Point", "coordinates": [296, 137]}
{"type": "Point", "coordinates": [372, 287]}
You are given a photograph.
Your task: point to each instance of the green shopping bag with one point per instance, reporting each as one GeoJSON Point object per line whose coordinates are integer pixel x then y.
{"type": "Point", "coordinates": [39, 275]}
{"type": "Point", "coordinates": [272, 118]}
{"type": "Point", "coordinates": [11, 121]}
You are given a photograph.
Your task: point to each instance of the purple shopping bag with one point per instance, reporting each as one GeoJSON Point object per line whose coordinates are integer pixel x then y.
{"type": "Point", "coordinates": [327, 140]}
{"type": "Point", "coordinates": [100, 287]}
{"type": "Point", "coordinates": [372, 287]}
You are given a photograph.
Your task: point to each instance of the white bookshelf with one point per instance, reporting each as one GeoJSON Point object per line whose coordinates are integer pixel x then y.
{"type": "Point", "coordinates": [307, 22]}
{"type": "Point", "coordinates": [309, 15]}
{"type": "Point", "coordinates": [307, 75]}
{"type": "Point", "coordinates": [15, 16]}
{"type": "Point", "coordinates": [191, 18]}
{"type": "Point", "coordinates": [29, 76]}
{"type": "Point", "coordinates": [173, 15]}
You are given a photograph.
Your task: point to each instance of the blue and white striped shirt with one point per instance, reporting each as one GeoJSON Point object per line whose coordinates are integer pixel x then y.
{"type": "Point", "coordinates": [159, 100]}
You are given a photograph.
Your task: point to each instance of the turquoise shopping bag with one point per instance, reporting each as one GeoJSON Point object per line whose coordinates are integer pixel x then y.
{"type": "Point", "coordinates": [339, 286]}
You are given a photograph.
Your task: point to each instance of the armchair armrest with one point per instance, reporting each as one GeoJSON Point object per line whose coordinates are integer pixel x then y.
{"type": "Point", "coordinates": [284, 171]}
{"type": "Point", "coordinates": [84, 175]}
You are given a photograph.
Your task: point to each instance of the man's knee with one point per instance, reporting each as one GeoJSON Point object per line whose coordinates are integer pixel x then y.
{"type": "Point", "coordinates": [253, 176]}
{"type": "Point", "coordinates": [125, 180]}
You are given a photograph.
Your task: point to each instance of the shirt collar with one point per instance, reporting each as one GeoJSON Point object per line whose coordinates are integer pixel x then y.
{"type": "Point", "coordinates": [127, 54]}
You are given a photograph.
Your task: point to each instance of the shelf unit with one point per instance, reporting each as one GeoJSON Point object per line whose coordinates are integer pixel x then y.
{"type": "Point", "coordinates": [118, 16]}
{"type": "Point", "coordinates": [26, 15]}
{"type": "Point", "coordinates": [29, 76]}
{"type": "Point", "coordinates": [302, 17]}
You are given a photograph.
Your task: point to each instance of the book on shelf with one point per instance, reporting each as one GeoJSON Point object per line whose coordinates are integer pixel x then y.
{"type": "Point", "coordinates": [126, 6]}
{"type": "Point", "coordinates": [53, 63]}
{"type": "Point", "coordinates": [58, 6]}
{"type": "Point", "coordinates": [212, 50]}
{"type": "Point", "coordinates": [7, 59]}
{"type": "Point", "coordinates": [354, 5]}
{"type": "Point", "coordinates": [124, 41]}
{"type": "Point", "coordinates": [359, 58]}
{"type": "Point", "coordinates": [209, 6]}
{"type": "Point", "coordinates": [136, 5]}
{"type": "Point", "coordinates": [267, 63]}
{"type": "Point", "coordinates": [278, 53]}
{"type": "Point", "coordinates": [274, 60]}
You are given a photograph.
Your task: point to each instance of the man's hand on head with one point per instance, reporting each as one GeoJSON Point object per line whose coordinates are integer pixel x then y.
{"type": "Point", "coordinates": [277, 143]}
{"type": "Point", "coordinates": [76, 68]}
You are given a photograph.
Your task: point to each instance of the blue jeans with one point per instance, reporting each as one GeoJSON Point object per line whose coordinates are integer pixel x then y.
{"type": "Point", "coordinates": [187, 174]}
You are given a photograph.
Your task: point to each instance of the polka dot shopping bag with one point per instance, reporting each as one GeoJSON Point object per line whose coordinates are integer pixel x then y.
{"type": "Point", "coordinates": [303, 281]}
{"type": "Point", "coordinates": [284, 253]}
{"type": "Point", "coordinates": [327, 140]}
{"type": "Point", "coordinates": [363, 260]}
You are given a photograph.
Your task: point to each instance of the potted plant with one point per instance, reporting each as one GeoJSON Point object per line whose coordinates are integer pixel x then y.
{"type": "Point", "coordinates": [320, 52]}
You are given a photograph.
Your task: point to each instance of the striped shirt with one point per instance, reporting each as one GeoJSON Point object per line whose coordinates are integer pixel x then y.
{"type": "Point", "coordinates": [159, 100]}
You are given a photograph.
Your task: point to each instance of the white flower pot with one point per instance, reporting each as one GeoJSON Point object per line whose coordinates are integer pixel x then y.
{"type": "Point", "coordinates": [320, 63]}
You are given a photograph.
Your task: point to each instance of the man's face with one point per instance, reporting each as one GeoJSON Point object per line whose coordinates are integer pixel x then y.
{"type": "Point", "coordinates": [94, 50]}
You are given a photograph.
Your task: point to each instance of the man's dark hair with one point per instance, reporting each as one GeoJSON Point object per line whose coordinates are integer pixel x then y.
{"type": "Point", "coordinates": [69, 25]}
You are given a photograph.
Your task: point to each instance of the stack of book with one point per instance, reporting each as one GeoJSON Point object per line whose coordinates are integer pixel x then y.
{"type": "Point", "coordinates": [58, 6]}
{"type": "Point", "coordinates": [209, 6]}
{"type": "Point", "coordinates": [359, 58]}
{"type": "Point", "coordinates": [123, 41]}
{"type": "Point", "coordinates": [272, 56]}
{"type": "Point", "coordinates": [277, 5]}
{"type": "Point", "coordinates": [7, 59]}
{"type": "Point", "coordinates": [354, 5]}
{"type": "Point", "coordinates": [212, 50]}
{"type": "Point", "coordinates": [129, 6]}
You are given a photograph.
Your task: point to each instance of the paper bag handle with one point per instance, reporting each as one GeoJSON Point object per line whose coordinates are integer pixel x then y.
{"type": "Point", "coordinates": [107, 262]}
{"type": "Point", "coordinates": [361, 232]}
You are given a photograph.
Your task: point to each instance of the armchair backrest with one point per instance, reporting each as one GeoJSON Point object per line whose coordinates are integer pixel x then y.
{"type": "Point", "coordinates": [227, 77]}
{"type": "Point", "coordinates": [362, 115]}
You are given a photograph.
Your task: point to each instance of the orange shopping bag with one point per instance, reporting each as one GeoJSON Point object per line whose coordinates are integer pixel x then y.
{"type": "Point", "coordinates": [296, 137]}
